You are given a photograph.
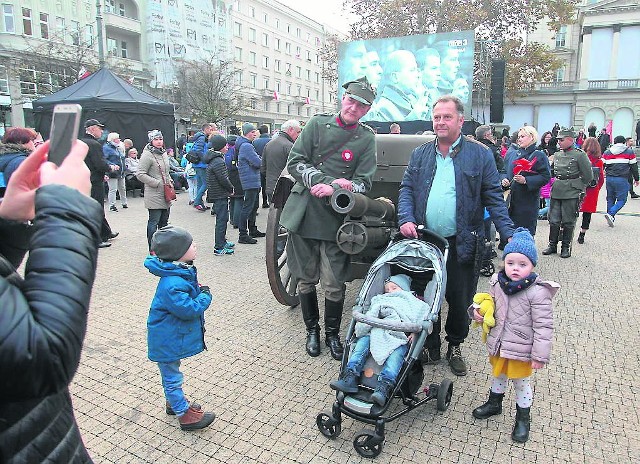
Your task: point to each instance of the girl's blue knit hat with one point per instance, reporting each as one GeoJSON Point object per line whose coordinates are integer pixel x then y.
{"type": "Point", "coordinates": [522, 242]}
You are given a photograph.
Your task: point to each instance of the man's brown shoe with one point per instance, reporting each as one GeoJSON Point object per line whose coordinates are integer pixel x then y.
{"type": "Point", "coordinates": [196, 419]}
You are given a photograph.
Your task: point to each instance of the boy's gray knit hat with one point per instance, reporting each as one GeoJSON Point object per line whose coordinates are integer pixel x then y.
{"type": "Point", "coordinates": [171, 243]}
{"type": "Point", "coordinates": [401, 280]}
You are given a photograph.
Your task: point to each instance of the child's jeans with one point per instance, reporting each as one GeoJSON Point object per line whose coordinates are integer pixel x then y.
{"type": "Point", "coordinates": [392, 364]}
{"type": "Point", "coordinates": [193, 187]}
{"type": "Point", "coordinates": [172, 384]}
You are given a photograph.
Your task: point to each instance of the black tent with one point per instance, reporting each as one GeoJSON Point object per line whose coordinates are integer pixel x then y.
{"type": "Point", "coordinates": [120, 106]}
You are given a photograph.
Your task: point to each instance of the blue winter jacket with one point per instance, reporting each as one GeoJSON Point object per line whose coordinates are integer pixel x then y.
{"type": "Point", "coordinates": [248, 164]}
{"type": "Point", "coordinates": [477, 187]}
{"type": "Point", "coordinates": [199, 140]}
{"type": "Point", "coordinates": [175, 327]}
{"type": "Point", "coordinates": [112, 155]}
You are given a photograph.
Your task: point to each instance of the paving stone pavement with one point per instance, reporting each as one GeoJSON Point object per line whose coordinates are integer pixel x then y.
{"type": "Point", "coordinates": [266, 392]}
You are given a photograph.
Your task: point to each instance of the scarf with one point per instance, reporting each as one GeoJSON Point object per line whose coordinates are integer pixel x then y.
{"type": "Point", "coordinates": [511, 287]}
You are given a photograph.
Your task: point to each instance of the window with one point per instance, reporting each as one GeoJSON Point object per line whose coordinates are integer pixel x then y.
{"type": "Point", "coordinates": [252, 58]}
{"type": "Point", "coordinates": [88, 34]}
{"type": "Point", "coordinates": [308, 73]}
{"type": "Point", "coordinates": [237, 29]}
{"type": "Point", "coordinates": [278, 83]}
{"type": "Point", "coordinates": [277, 43]}
{"type": "Point", "coordinates": [253, 80]}
{"type": "Point", "coordinates": [308, 37]}
{"type": "Point", "coordinates": [27, 27]}
{"type": "Point", "coordinates": [265, 39]}
{"type": "Point", "coordinates": [287, 48]}
{"type": "Point", "coordinates": [254, 104]}
{"type": "Point", "coordinates": [252, 35]}
{"type": "Point", "coordinates": [297, 32]}
{"type": "Point", "coordinates": [266, 105]}
{"type": "Point", "coordinates": [74, 31]}
{"type": "Point", "coordinates": [110, 6]}
{"type": "Point", "coordinates": [298, 71]}
{"type": "Point", "coordinates": [121, 9]}
{"type": "Point", "coordinates": [277, 65]}
{"type": "Point", "coordinates": [112, 47]}
{"type": "Point", "coordinates": [309, 56]}
{"type": "Point", "coordinates": [266, 83]}
{"type": "Point", "coordinates": [252, 12]}
{"type": "Point", "coordinates": [561, 36]}
{"type": "Point", "coordinates": [265, 62]}
{"type": "Point", "coordinates": [237, 54]}
{"type": "Point", "coordinates": [288, 28]}
{"type": "Point", "coordinates": [298, 52]}
{"type": "Point", "coordinates": [308, 111]}
{"type": "Point", "coordinates": [265, 18]}
{"type": "Point", "coordinates": [123, 49]}
{"type": "Point", "coordinates": [299, 110]}
{"type": "Point", "coordinates": [317, 78]}
{"type": "Point", "coordinates": [559, 77]}
{"type": "Point", "coordinates": [238, 78]}
{"type": "Point", "coordinates": [317, 95]}
{"type": "Point", "coordinates": [27, 80]}
{"type": "Point", "coordinates": [288, 88]}
{"type": "Point", "coordinates": [60, 30]}
{"type": "Point", "coordinates": [8, 21]}
{"type": "Point", "coordinates": [289, 109]}
{"type": "Point", "coordinates": [277, 107]}
{"type": "Point", "coordinates": [4, 80]}
{"type": "Point", "coordinates": [299, 90]}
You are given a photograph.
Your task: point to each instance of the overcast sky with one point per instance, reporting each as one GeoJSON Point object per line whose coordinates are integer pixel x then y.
{"type": "Point", "coordinates": [323, 11]}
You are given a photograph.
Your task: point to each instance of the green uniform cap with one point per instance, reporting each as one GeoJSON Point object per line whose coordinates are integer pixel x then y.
{"type": "Point", "coordinates": [567, 132]}
{"type": "Point", "coordinates": [360, 90]}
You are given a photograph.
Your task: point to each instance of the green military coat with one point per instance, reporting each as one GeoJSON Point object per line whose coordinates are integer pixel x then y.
{"type": "Point", "coordinates": [572, 170]}
{"type": "Point", "coordinates": [353, 156]}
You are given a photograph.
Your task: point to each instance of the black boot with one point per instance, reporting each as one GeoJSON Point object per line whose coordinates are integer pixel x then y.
{"type": "Point", "coordinates": [310, 314]}
{"type": "Point", "coordinates": [332, 319]}
{"type": "Point", "coordinates": [567, 239]}
{"type": "Point", "coordinates": [492, 407]}
{"type": "Point", "coordinates": [581, 237]}
{"type": "Point", "coordinates": [554, 233]}
{"type": "Point", "coordinates": [523, 423]}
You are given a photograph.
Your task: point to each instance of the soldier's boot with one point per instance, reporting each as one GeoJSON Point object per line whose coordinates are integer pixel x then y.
{"type": "Point", "coordinates": [332, 319]}
{"type": "Point", "coordinates": [310, 314]}
{"type": "Point", "coordinates": [554, 234]}
{"type": "Point", "coordinates": [567, 239]}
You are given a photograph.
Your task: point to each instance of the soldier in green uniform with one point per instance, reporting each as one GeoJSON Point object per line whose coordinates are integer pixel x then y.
{"type": "Point", "coordinates": [572, 170]}
{"type": "Point", "coordinates": [333, 151]}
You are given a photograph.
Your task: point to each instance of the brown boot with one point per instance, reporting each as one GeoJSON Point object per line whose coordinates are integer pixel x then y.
{"type": "Point", "coordinates": [196, 419]}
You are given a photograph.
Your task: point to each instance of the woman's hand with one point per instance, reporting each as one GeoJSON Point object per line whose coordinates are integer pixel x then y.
{"type": "Point", "coordinates": [505, 182]}
{"type": "Point", "coordinates": [520, 179]}
{"type": "Point", "coordinates": [18, 203]}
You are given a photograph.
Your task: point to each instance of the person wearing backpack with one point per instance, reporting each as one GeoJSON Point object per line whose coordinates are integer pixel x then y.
{"type": "Point", "coordinates": [195, 155]}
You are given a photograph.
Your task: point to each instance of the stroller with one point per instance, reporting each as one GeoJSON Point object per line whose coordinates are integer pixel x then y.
{"type": "Point", "coordinates": [424, 260]}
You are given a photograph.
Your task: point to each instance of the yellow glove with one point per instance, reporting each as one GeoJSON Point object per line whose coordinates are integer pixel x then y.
{"type": "Point", "coordinates": [485, 305]}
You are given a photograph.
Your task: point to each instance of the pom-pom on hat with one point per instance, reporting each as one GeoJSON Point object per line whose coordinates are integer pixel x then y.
{"type": "Point", "coordinates": [401, 280]}
{"type": "Point", "coordinates": [217, 142]}
{"type": "Point", "coordinates": [171, 243]}
{"type": "Point", "coordinates": [522, 242]}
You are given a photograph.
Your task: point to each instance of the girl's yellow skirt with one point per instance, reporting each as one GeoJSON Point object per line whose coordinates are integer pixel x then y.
{"type": "Point", "coordinates": [512, 368]}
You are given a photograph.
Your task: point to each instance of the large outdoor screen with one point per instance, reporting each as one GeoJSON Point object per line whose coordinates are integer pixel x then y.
{"type": "Point", "coordinates": [410, 72]}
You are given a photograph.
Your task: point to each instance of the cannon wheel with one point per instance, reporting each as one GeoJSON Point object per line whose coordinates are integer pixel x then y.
{"type": "Point", "coordinates": [283, 285]}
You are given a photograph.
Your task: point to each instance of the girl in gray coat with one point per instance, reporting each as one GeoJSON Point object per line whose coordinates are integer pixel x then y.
{"type": "Point", "coordinates": [520, 341]}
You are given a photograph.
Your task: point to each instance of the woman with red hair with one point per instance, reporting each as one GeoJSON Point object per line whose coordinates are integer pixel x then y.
{"type": "Point", "coordinates": [16, 145]}
{"type": "Point", "coordinates": [590, 202]}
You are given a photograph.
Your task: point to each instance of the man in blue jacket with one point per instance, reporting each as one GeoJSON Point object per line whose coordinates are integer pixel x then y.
{"type": "Point", "coordinates": [199, 140]}
{"type": "Point", "coordinates": [249, 169]}
{"type": "Point", "coordinates": [445, 188]}
{"type": "Point", "coordinates": [259, 144]}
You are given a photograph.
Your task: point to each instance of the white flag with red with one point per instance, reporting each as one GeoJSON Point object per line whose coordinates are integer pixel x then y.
{"type": "Point", "coordinates": [83, 73]}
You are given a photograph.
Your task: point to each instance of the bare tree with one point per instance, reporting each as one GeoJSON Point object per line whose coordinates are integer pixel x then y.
{"type": "Point", "coordinates": [209, 89]}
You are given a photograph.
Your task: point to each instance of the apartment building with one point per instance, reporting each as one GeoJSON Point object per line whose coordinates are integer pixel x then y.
{"type": "Point", "coordinates": [600, 79]}
{"type": "Point", "coordinates": [277, 52]}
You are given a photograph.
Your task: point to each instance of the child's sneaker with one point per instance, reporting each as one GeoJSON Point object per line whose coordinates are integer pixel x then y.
{"type": "Point", "coordinates": [229, 245]}
{"type": "Point", "coordinates": [348, 383]}
{"type": "Point", "coordinates": [196, 419]}
{"type": "Point", "coordinates": [222, 251]}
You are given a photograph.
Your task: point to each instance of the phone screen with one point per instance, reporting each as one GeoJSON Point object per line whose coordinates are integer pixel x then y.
{"type": "Point", "coordinates": [64, 131]}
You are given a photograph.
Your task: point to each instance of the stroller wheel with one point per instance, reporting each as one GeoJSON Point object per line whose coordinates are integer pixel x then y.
{"type": "Point", "coordinates": [368, 444]}
{"type": "Point", "coordinates": [445, 392]}
{"type": "Point", "coordinates": [328, 426]}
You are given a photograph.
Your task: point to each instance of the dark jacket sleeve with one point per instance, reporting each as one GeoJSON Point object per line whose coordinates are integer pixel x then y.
{"type": "Point", "coordinates": [43, 322]}
{"type": "Point", "coordinates": [220, 171]}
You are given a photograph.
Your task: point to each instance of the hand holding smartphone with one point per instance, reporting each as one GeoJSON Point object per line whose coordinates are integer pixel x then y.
{"type": "Point", "coordinates": [64, 131]}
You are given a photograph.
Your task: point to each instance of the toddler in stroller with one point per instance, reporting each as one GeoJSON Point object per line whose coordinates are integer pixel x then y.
{"type": "Point", "coordinates": [387, 347]}
{"type": "Point", "coordinates": [366, 388]}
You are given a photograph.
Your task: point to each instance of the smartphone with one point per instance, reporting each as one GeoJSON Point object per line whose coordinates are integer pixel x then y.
{"type": "Point", "coordinates": [64, 131]}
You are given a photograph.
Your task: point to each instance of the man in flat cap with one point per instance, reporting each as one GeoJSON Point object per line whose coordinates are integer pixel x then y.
{"type": "Point", "coordinates": [572, 170]}
{"type": "Point", "coordinates": [333, 151]}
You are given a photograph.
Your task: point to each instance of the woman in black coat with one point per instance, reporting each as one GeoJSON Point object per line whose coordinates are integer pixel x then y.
{"type": "Point", "coordinates": [43, 316]}
{"type": "Point", "coordinates": [526, 171]}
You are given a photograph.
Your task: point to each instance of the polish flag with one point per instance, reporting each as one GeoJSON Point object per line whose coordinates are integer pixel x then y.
{"type": "Point", "coordinates": [307, 101]}
{"type": "Point", "coordinates": [83, 73]}
{"type": "Point", "coordinates": [276, 96]}
{"type": "Point", "coordinates": [609, 128]}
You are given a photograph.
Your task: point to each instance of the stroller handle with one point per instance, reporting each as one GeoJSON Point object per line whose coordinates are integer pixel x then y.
{"type": "Point", "coordinates": [392, 325]}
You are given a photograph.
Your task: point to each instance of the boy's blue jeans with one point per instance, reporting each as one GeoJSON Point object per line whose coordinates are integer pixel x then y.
{"type": "Point", "coordinates": [392, 364]}
{"type": "Point", "coordinates": [172, 384]}
{"type": "Point", "coordinates": [617, 192]}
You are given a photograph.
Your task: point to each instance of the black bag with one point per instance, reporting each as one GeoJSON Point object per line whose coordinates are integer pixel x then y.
{"type": "Point", "coordinates": [194, 157]}
{"type": "Point", "coordinates": [596, 176]}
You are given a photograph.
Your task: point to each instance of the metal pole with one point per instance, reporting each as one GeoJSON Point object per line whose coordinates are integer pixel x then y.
{"type": "Point", "coordinates": [100, 34]}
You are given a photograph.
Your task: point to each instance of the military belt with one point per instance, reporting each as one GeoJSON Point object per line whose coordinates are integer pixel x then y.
{"type": "Point", "coordinates": [574, 176]}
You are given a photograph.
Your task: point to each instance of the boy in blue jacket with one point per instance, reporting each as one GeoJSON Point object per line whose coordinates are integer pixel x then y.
{"type": "Point", "coordinates": [176, 319]}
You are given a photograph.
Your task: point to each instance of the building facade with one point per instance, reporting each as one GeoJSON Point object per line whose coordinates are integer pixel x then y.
{"type": "Point", "coordinates": [600, 79]}
{"type": "Point", "coordinates": [44, 46]}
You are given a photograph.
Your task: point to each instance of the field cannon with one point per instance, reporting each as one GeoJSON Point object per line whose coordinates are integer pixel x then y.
{"type": "Point", "coordinates": [369, 220]}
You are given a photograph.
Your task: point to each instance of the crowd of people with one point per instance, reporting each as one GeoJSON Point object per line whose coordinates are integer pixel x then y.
{"type": "Point", "coordinates": [453, 186]}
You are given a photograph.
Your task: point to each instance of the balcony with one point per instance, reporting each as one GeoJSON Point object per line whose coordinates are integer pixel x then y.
{"type": "Point", "coordinates": [613, 84]}
{"type": "Point", "coordinates": [122, 23]}
{"type": "Point", "coordinates": [560, 86]}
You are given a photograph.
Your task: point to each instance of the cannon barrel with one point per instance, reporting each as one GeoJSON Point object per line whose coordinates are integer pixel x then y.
{"type": "Point", "coordinates": [357, 205]}
{"type": "Point", "coordinates": [353, 237]}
